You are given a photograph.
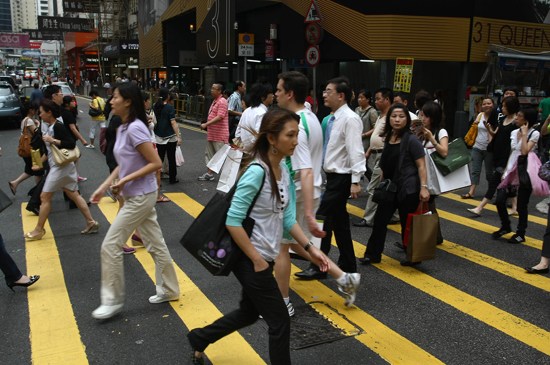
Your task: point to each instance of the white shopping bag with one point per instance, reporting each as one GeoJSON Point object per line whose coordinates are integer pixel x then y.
{"type": "Point", "coordinates": [179, 157]}
{"type": "Point", "coordinates": [315, 240]}
{"type": "Point", "coordinates": [455, 180]}
{"type": "Point", "coordinates": [433, 183]}
{"type": "Point", "coordinates": [216, 162]}
{"type": "Point", "coordinates": [230, 170]}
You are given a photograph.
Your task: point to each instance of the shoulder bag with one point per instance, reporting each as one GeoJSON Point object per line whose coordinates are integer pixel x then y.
{"type": "Point", "coordinates": [457, 156]}
{"type": "Point", "coordinates": [24, 147]}
{"type": "Point", "coordinates": [208, 239]}
{"type": "Point", "coordinates": [471, 135]}
{"type": "Point", "coordinates": [64, 156]}
{"type": "Point", "coordinates": [93, 112]}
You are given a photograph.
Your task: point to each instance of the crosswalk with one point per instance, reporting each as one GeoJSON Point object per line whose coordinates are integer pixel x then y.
{"type": "Point", "coordinates": [56, 336]}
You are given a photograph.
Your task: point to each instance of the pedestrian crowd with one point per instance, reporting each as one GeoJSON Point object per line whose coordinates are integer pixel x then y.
{"type": "Point", "coordinates": [294, 175]}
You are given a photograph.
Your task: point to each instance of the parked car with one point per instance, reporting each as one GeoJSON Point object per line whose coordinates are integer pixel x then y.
{"type": "Point", "coordinates": [66, 90]}
{"type": "Point", "coordinates": [10, 80]}
{"type": "Point", "coordinates": [10, 106]}
{"type": "Point", "coordinates": [26, 92]}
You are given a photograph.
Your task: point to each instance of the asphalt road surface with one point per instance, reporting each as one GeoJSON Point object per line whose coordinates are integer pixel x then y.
{"type": "Point", "coordinates": [473, 304]}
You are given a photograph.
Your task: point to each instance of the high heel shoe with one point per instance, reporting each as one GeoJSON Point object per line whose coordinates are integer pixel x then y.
{"type": "Point", "coordinates": [32, 279]}
{"type": "Point", "coordinates": [93, 227]}
{"type": "Point", "coordinates": [29, 237]}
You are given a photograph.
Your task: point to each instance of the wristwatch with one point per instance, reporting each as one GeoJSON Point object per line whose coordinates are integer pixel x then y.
{"type": "Point", "coordinates": [308, 245]}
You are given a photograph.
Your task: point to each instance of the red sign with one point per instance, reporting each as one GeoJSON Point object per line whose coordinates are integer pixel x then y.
{"type": "Point", "coordinates": [313, 14]}
{"type": "Point", "coordinates": [313, 33]}
{"type": "Point", "coordinates": [35, 45]}
{"type": "Point", "coordinates": [313, 56]}
{"type": "Point", "coordinates": [269, 50]}
{"type": "Point", "coordinates": [14, 40]}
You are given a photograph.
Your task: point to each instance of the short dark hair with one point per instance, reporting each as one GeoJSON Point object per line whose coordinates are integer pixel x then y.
{"type": "Point", "coordinates": [512, 104]}
{"type": "Point", "coordinates": [386, 93]}
{"type": "Point", "coordinates": [49, 106]}
{"type": "Point", "coordinates": [296, 82]}
{"type": "Point", "coordinates": [403, 95]}
{"type": "Point", "coordinates": [342, 86]}
{"type": "Point", "coordinates": [93, 93]}
{"type": "Point", "coordinates": [367, 94]}
{"type": "Point", "coordinates": [67, 99]}
{"type": "Point", "coordinates": [129, 91]}
{"type": "Point", "coordinates": [50, 90]}
{"type": "Point", "coordinates": [530, 115]}
{"type": "Point", "coordinates": [238, 84]}
{"type": "Point", "coordinates": [432, 110]}
{"type": "Point", "coordinates": [258, 92]}
{"type": "Point", "coordinates": [421, 98]}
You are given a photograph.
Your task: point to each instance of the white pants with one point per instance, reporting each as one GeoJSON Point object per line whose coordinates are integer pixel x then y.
{"type": "Point", "coordinates": [138, 211]}
{"type": "Point", "coordinates": [96, 125]}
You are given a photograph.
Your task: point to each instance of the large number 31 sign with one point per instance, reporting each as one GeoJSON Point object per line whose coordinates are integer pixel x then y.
{"type": "Point", "coordinates": [221, 22]}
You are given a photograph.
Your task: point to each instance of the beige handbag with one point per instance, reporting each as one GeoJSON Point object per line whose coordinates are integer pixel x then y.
{"type": "Point", "coordinates": [63, 156]}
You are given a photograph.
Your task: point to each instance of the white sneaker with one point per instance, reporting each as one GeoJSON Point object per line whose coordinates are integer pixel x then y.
{"type": "Point", "coordinates": [107, 311]}
{"type": "Point", "coordinates": [349, 289]}
{"type": "Point", "coordinates": [206, 177]}
{"type": "Point", "coordinates": [290, 308]}
{"type": "Point", "coordinates": [90, 146]}
{"type": "Point", "coordinates": [156, 299]}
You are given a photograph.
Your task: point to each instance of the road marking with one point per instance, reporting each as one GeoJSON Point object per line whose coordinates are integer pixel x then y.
{"type": "Point", "coordinates": [390, 345]}
{"type": "Point", "coordinates": [491, 207]}
{"type": "Point", "coordinates": [503, 321]}
{"type": "Point", "coordinates": [194, 308]}
{"type": "Point", "coordinates": [500, 266]}
{"type": "Point", "coordinates": [54, 334]}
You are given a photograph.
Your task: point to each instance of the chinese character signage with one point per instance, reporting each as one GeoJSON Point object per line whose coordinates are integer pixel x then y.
{"type": "Point", "coordinates": [44, 35]}
{"type": "Point", "coordinates": [65, 24]}
{"type": "Point", "coordinates": [14, 40]}
{"type": "Point", "coordinates": [80, 6]}
{"type": "Point", "coordinates": [403, 74]}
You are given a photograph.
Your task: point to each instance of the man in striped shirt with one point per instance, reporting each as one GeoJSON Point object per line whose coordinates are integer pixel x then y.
{"type": "Point", "coordinates": [217, 128]}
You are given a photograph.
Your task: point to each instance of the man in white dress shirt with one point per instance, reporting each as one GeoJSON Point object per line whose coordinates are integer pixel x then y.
{"type": "Point", "coordinates": [344, 164]}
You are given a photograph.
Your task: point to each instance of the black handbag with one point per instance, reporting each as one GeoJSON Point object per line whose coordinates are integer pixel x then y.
{"type": "Point", "coordinates": [523, 175]}
{"type": "Point", "coordinates": [385, 192]}
{"type": "Point", "coordinates": [5, 200]}
{"type": "Point", "coordinates": [544, 171]}
{"type": "Point", "coordinates": [207, 238]}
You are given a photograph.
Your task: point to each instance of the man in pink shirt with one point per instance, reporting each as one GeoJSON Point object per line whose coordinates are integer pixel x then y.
{"type": "Point", "coordinates": [217, 128]}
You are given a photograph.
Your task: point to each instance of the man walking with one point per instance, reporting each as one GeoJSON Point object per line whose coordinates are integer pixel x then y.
{"type": "Point", "coordinates": [217, 128]}
{"type": "Point", "coordinates": [235, 108]}
{"type": "Point", "coordinates": [344, 163]}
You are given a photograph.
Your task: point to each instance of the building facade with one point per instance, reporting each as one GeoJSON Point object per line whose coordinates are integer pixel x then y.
{"type": "Point", "coordinates": [23, 15]}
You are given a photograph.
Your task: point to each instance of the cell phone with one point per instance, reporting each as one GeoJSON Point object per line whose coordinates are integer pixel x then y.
{"type": "Point", "coordinates": [417, 126]}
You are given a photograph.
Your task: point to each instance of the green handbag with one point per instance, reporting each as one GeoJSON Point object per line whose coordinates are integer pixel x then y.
{"type": "Point", "coordinates": [458, 156]}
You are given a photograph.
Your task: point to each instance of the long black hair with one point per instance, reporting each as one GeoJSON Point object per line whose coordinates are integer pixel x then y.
{"type": "Point", "coordinates": [163, 95]}
{"type": "Point", "coordinates": [273, 123]}
{"type": "Point", "coordinates": [131, 92]}
{"type": "Point", "coordinates": [387, 126]}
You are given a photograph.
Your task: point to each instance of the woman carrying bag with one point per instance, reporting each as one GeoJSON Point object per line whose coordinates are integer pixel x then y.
{"type": "Point", "coordinates": [59, 177]}
{"type": "Point", "coordinates": [408, 174]}
{"type": "Point", "coordinates": [522, 141]}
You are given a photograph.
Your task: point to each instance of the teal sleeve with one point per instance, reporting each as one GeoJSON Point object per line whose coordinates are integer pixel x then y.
{"type": "Point", "coordinates": [247, 188]}
{"type": "Point", "coordinates": [289, 218]}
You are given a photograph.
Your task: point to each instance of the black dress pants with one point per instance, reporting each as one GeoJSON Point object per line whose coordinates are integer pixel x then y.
{"type": "Point", "coordinates": [7, 265]}
{"type": "Point", "coordinates": [169, 150]}
{"type": "Point", "coordinates": [382, 217]}
{"type": "Point", "coordinates": [524, 193]}
{"type": "Point", "coordinates": [333, 209]}
{"type": "Point", "coordinates": [546, 239]}
{"type": "Point", "coordinates": [260, 295]}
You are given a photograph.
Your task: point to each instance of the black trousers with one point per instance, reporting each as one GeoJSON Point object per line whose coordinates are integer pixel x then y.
{"type": "Point", "coordinates": [169, 150]}
{"type": "Point", "coordinates": [333, 209]}
{"type": "Point", "coordinates": [524, 193]}
{"type": "Point", "coordinates": [260, 295]}
{"type": "Point", "coordinates": [546, 239]}
{"type": "Point", "coordinates": [495, 179]}
{"type": "Point", "coordinates": [7, 265]}
{"type": "Point", "coordinates": [382, 217]}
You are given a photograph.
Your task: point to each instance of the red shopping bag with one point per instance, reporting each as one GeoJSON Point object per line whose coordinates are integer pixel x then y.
{"type": "Point", "coordinates": [422, 209]}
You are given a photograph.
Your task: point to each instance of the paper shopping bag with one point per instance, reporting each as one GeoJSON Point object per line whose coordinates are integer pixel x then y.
{"type": "Point", "coordinates": [423, 237]}
{"type": "Point", "coordinates": [216, 162]}
{"type": "Point", "coordinates": [230, 170]}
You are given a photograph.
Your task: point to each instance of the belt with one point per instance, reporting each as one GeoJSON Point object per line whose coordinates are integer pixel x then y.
{"type": "Point", "coordinates": [377, 151]}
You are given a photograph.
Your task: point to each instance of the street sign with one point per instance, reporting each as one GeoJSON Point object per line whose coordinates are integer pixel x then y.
{"type": "Point", "coordinates": [313, 56]}
{"type": "Point", "coordinates": [313, 33]}
{"type": "Point", "coordinates": [80, 6]}
{"type": "Point", "coordinates": [246, 38]}
{"type": "Point", "coordinates": [65, 24]}
{"type": "Point", "coordinates": [44, 35]}
{"type": "Point", "coordinates": [313, 14]}
{"type": "Point", "coordinates": [246, 50]}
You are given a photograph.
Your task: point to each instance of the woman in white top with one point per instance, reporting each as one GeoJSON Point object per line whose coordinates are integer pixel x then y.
{"type": "Point", "coordinates": [485, 130]}
{"type": "Point", "coordinates": [522, 140]}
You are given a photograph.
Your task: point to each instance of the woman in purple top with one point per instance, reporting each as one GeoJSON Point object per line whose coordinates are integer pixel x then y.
{"type": "Point", "coordinates": [134, 179]}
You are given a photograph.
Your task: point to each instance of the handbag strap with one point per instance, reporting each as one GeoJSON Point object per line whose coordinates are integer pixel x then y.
{"type": "Point", "coordinates": [422, 208]}
{"type": "Point", "coordinates": [231, 192]}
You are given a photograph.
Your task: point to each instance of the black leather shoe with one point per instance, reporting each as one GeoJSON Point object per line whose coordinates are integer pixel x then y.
{"type": "Point", "coordinates": [400, 245]}
{"type": "Point", "coordinates": [530, 270]}
{"type": "Point", "coordinates": [361, 223]}
{"type": "Point", "coordinates": [369, 260]}
{"type": "Point", "coordinates": [173, 181]}
{"type": "Point", "coordinates": [410, 263]}
{"type": "Point", "coordinates": [311, 273]}
{"type": "Point", "coordinates": [501, 232]}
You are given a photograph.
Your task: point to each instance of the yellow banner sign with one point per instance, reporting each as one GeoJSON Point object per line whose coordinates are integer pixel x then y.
{"type": "Point", "coordinates": [403, 74]}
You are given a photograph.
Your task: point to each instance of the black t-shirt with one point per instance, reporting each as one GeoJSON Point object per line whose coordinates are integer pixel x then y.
{"type": "Point", "coordinates": [500, 144]}
{"type": "Point", "coordinates": [388, 160]}
{"type": "Point", "coordinates": [68, 119]}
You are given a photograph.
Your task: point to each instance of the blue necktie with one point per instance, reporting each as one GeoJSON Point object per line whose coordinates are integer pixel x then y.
{"type": "Point", "coordinates": [327, 136]}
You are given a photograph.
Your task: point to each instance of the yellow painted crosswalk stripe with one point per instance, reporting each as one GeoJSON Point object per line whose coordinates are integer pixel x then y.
{"type": "Point", "coordinates": [379, 338]}
{"type": "Point", "coordinates": [54, 334]}
{"type": "Point", "coordinates": [195, 309]}
{"type": "Point", "coordinates": [500, 266]}
{"type": "Point", "coordinates": [503, 321]}
{"type": "Point", "coordinates": [491, 207]}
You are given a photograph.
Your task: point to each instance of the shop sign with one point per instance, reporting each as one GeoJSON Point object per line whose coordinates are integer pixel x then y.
{"type": "Point", "coordinates": [14, 40]}
{"type": "Point", "coordinates": [269, 50]}
{"type": "Point", "coordinates": [129, 46]}
{"type": "Point", "coordinates": [35, 45]}
{"type": "Point", "coordinates": [80, 6]}
{"type": "Point", "coordinates": [65, 24]}
{"type": "Point", "coordinates": [44, 35]}
{"type": "Point", "coordinates": [402, 79]}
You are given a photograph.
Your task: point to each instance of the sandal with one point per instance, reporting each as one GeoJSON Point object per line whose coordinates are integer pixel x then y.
{"type": "Point", "coordinates": [91, 228]}
{"type": "Point", "coordinates": [163, 199]}
{"type": "Point", "coordinates": [473, 211]}
{"type": "Point", "coordinates": [467, 196]}
{"type": "Point", "coordinates": [30, 237]}
{"type": "Point", "coordinates": [13, 190]}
